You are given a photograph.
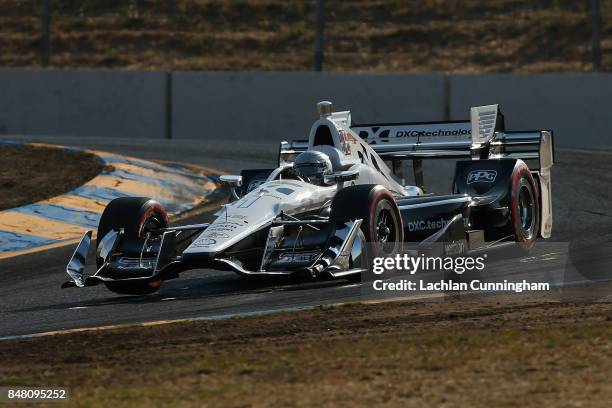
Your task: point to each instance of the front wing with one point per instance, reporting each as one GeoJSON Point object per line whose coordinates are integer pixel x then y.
{"type": "Point", "coordinates": [339, 254]}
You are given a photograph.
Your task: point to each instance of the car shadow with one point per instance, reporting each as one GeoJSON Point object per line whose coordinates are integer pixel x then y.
{"type": "Point", "coordinates": [194, 287]}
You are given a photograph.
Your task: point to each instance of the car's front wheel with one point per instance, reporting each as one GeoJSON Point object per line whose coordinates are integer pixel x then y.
{"type": "Point", "coordinates": [382, 221]}
{"type": "Point", "coordinates": [137, 216]}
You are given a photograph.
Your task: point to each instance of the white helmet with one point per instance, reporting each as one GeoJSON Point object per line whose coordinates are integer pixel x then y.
{"type": "Point", "coordinates": [313, 166]}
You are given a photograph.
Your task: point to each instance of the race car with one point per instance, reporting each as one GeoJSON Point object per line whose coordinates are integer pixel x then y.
{"type": "Point", "coordinates": [336, 201]}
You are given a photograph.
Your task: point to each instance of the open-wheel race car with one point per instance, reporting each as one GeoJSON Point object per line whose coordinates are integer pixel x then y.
{"type": "Point", "coordinates": [337, 200]}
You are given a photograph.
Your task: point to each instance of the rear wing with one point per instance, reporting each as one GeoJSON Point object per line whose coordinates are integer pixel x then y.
{"type": "Point", "coordinates": [482, 137]}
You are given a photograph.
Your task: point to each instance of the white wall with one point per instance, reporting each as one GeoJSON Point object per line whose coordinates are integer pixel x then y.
{"type": "Point", "coordinates": [82, 103]}
{"type": "Point", "coordinates": [578, 107]}
{"type": "Point", "coordinates": [281, 105]}
{"type": "Point", "coordinates": [272, 106]}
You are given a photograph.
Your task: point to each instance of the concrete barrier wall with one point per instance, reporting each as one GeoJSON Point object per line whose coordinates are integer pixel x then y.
{"type": "Point", "coordinates": [576, 106]}
{"type": "Point", "coordinates": [272, 106]}
{"type": "Point", "coordinates": [82, 103]}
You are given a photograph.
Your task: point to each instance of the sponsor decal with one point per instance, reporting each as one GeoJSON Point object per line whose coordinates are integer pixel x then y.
{"type": "Point", "coordinates": [427, 225]}
{"type": "Point", "coordinates": [222, 226]}
{"type": "Point", "coordinates": [346, 146]}
{"type": "Point", "coordinates": [384, 134]}
{"type": "Point", "coordinates": [432, 133]}
{"type": "Point", "coordinates": [484, 176]}
{"type": "Point", "coordinates": [204, 242]}
{"type": "Point", "coordinates": [219, 235]}
{"type": "Point", "coordinates": [130, 263]}
{"type": "Point", "coordinates": [297, 256]}
{"type": "Point", "coordinates": [237, 216]}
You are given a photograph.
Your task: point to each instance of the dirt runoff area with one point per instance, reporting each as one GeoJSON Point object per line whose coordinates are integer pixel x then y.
{"type": "Point", "coordinates": [392, 354]}
{"type": "Point", "coordinates": [33, 173]}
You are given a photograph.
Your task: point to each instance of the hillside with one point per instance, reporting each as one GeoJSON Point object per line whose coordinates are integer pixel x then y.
{"type": "Point", "coordinates": [361, 35]}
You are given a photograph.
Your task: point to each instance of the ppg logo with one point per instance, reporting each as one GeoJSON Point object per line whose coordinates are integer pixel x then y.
{"type": "Point", "coordinates": [485, 176]}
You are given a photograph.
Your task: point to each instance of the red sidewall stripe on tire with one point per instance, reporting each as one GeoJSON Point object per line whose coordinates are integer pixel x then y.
{"type": "Point", "coordinates": [156, 207]}
{"type": "Point", "coordinates": [521, 169]}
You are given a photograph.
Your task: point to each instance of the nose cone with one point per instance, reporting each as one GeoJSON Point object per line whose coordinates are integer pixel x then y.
{"type": "Point", "coordinates": [257, 209]}
{"type": "Point", "coordinates": [234, 222]}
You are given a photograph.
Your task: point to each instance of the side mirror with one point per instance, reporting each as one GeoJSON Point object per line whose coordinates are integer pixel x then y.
{"type": "Point", "coordinates": [234, 182]}
{"type": "Point", "coordinates": [231, 180]}
{"type": "Point", "coordinates": [341, 176]}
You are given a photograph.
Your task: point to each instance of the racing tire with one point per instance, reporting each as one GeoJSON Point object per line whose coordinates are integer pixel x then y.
{"type": "Point", "coordinates": [382, 221]}
{"type": "Point", "coordinates": [135, 215]}
{"type": "Point", "coordinates": [524, 208]}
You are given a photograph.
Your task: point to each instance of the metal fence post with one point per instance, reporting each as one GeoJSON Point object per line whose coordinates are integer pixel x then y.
{"type": "Point", "coordinates": [596, 33]}
{"type": "Point", "coordinates": [320, 25]}
{"type": "Point", "coordinates": [45, 33]}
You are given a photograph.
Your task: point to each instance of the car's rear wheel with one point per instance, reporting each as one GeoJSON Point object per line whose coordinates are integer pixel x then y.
{"type": "Point", "coordinates": [137, 216]}
{"type": "Point", "coordinates": [524, 207]}
{"type": "Point", "coordinates": [382, 221]}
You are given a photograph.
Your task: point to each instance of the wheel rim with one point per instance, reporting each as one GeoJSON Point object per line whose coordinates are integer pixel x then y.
{"type": "Point", "coordinates": [386, 230]}
{"type": "Point", "coordinates": [151, 224]}
{"type": "Point", "coordinates": [525, 209]}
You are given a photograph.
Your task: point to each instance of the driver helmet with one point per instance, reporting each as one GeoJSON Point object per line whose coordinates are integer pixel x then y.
{"type": "Point", "coordinates": [313, 166]}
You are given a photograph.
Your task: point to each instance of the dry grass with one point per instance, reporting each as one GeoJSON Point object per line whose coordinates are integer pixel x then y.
{"type": "Point", "coordinates": [361, 35]}
{"type": "Point", "coordinates": [29, 174]}
{"type": "Point", "coordinates": [403, 354]}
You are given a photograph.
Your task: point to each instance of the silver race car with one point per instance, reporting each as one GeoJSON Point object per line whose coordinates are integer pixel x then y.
{"type": "Point", "coordinates": [337, 200]}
